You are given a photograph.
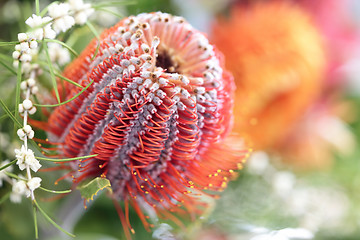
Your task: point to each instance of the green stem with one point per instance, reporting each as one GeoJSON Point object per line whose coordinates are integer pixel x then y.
{"type": "Point", "coordinates": [52, 221]}
{"type": "Point", "coordinates": [8, 43]}
{"type": "Point", "coordinates": [35, 222]}
{"type": "Point", "coordinates": [53, 79]}
{"type": "Point", "coordinates": [17, 91]}
{"type": "Point", "coordinates": [37, 7]}
{"type": "Point", "coordinates": [68, 80]}
{"type": "Point", "coordinates": [8, 112]}
{"type": "Point", "coordinates": [65, 159]}
{"type": "Point", "coordinates": [8, 67]}
{"type": "Point", "coordinates": [8, 165]}
{"type": "Point", "coordinates": [54, 191]}
{"type": "Point", "coordinates": [69, 100]}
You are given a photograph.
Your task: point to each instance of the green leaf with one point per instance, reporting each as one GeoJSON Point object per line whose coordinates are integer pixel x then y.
{"type": "Point", "coordinates": [90, 189]}
{"type": "Point", "coordinates": [68, 80]}
{"type": "Point", "coordinates": [8, 112]}
{"type": "Point", "coordinates": [55, 105]}
{"type": "Point", "coordinates": [35, 223]}
{"type": "Point", "coordinates": [52, 74]}
{"type": "Point", "coordinates": [8, 43]}
{"type": "Point", "coordinates": [65, 159]}
{"type": "Point", "coordinates": [112, 3]}
{"type": "Point", "coordinates": [52, 221]}
{"type": "Point", "coordinates": [8, 165]}
{"type": "Point", "coordinates": [55, 191]}
{"type": "Point", "coordinates": [37, 7]}
{"type": "Point", "coordinates": [8, 67]}
{"type": "Point", "coordinates": [17, 92]}
{"type": "Point", "coordinates": [93, 30]}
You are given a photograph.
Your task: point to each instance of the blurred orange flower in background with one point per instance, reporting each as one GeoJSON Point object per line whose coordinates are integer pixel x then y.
{"type": "Point", "coordinates": [278, 61]}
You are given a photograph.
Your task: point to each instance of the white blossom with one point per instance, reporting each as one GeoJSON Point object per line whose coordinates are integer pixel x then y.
{"type": "Point", "coordinates": [26, 157]}
{"type": "Point", "coordinates": [33, 183]}
{"type": "Point", "coordinates": [58, 54]}
{"type": "Point", "coordinates": [39, 31]}
{"type": "Point", "coordinates": [33, 163]}
{"type": "Point", "coordinates": [25, 131]}
{"type": "Point", "coordinates": [81, 11]}
{"type": "Point", "coordinates": [19, 189]}
{"type": "Point", "coordinates": [60, 14]}
{"type": "Point", "coordinates": [15, 197]}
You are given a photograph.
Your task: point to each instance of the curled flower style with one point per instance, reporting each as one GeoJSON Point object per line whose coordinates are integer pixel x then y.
{"type": "Point", "coordinates": [277, 58]}
{"type": "Point", "coordinates": [158, 113]}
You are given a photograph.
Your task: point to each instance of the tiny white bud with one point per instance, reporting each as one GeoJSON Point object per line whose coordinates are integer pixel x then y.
{"type": "Point", "coordinates": [32, 110]}
{"type": "Point", "coordinates": [18, 47]}
{"type": "Point", "coordinates": [16, 55]}
{"type": "Point", "coordinates": [27, 128]}
{"type": "Point", "coordinates": [24, 46]}
{"type": "Point", "coordinates": [25, 57]}
{"type": "Point", "coordinates": [21, 108]}
{"type": "Point", "coordinates": [33, 44]}
{"type": "Point", "coordinates": [27, 104]}
{"type": "Point", "coordinates": [31, 82]}
{"type": "Point", "coordinates": [16, 64]}
{"type": "Point", "coordinates": [23, 85]}
{"type": "Point", "coordinates": [21, 134]}
{"type": "Point", "coordinates": [22, 37]}
{"type": "Point", "coordinates": [34, 90]}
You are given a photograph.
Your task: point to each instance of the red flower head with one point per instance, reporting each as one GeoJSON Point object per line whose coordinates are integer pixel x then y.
{"type": "Point", "coordinates": [157, 113]}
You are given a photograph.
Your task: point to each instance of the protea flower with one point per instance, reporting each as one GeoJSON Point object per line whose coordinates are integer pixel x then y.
{"type": "Point", "coordinates": [157, 113]}
{"type": "Point", "coordinates": [277, 59]}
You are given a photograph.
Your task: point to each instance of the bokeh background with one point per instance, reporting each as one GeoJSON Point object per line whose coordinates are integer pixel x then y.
{"type": "Point", "coordinates": [297, 69]}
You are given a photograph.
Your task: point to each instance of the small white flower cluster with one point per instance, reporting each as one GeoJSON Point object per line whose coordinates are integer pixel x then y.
{"type": "Point", "coordinates": [27, 106]}
{"type": "Point", "coordinates": [21, 187]}
{"type": "Point", "coordinates": [62, 20]}
{"type": "Point", "coordinates": [25, 157]}
{"type": "Point", "coordinates": [62, 16]}
{"type": "Point", "coordinates": [81, 11]}
{"type": "Point", "coordinates": [25, 131]}
{"type": "Point", "coordinates": [24, 51]}
{"type": "Point", "coordinates": [40, 27]}
{"type": "Point", "coordinates": [30, 83]}
{"type": "Point", "coordinates": [66, 15]}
